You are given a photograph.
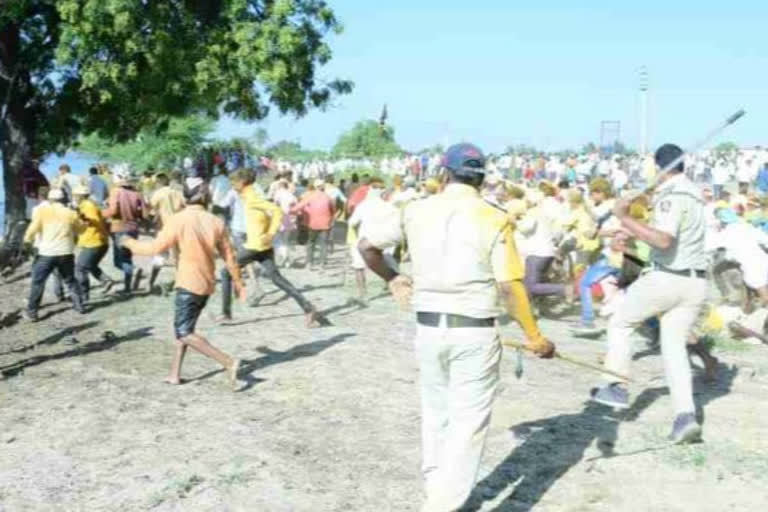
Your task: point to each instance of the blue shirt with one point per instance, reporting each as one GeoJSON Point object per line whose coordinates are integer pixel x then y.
{"type": "Point", "coordinates": [762, 179]}
{"type": "Point", "coordinates": [99, 191]}
{"type": "Point", "coordinates": [237, 224]}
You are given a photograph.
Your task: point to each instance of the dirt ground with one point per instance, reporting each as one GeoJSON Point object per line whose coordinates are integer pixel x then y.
{"type": "Point", "coordinates": [328, 419]}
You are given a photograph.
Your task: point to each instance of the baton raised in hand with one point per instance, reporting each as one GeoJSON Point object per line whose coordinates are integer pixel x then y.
{"type": "Point", "coordinates": [703, 142]}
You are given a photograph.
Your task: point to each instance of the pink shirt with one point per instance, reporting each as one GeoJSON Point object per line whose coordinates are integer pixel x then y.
{"type": "Point", "coordinates": [319, 208]}
{"type": "Point", "coordinates": [125, 208]}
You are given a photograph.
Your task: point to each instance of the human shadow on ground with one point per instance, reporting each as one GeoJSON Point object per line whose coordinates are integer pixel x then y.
{"type": "Point", "coordinates": [18, 277]}
{"type": "Point", "coordinates": [90, 307]}
{"type": "Point", "coordinates": [552, 446]}
{"type": "Point", "coordinates": [53, 338]}
{"type": "Point", "coordinates": [105, 343]}
{"type": "Point", "coordinates": [10, 319]}
{"type": "Point", "coordinates": [284, 296]}
{"type": "Point", "coordinates": [273, 357]}
{"type": "Point", "coordinates": [232, 323]}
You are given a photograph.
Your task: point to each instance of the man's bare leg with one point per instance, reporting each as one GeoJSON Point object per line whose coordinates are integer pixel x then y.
{"type": "Point", "coordinates": [698, 347]}
{"type": "Point", "coordinates": [361, 285]}
{"type": "Point", "coordinates": [178, 360]}
{"type": "Point", "coordinates": [200, 344]}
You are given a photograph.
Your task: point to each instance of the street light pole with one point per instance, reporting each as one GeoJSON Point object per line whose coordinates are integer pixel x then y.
{"type": "Point", "coordinates": [643, 76]}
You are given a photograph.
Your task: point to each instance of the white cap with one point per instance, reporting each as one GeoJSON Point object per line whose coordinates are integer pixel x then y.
{"type": "Point", "coordinates": [121, 174]}
{"type": "Point", "coordinates": [55, 194]}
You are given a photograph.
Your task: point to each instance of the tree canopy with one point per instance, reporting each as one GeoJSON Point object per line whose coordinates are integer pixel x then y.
{"type": "Point", "coordinates": [367, 138]}
{"type": "Point", "coordinates": [294, 152]}
{"type": "Point", "coordinates": [183, 137]}
{"type": "Point", "coordinates": [726, 148]}
{"type": "Point", "coordinates": [117, 67]}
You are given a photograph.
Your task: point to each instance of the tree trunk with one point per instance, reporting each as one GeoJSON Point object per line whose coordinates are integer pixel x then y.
{"type": "Point", "coordinates": [16, 126]}
{"type": "Point", "coordinates": [15, 146]}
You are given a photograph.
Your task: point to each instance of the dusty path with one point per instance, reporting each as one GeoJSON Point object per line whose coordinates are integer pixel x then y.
{"type": "Point", "coordinates": [328, 419]}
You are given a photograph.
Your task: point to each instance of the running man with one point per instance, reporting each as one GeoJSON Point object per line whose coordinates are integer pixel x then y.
{"type": "Point", "coordinates": [198, 236]}
{"type": "Point", "coordinates": [263, 220]}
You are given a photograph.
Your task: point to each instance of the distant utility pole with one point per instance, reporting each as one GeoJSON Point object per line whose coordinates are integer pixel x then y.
{"type": "Point", "coordinates": [643, 79]}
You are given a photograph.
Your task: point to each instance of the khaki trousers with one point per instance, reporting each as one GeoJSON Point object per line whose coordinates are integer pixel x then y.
{"type": "Point", "coordinates": [677, 301]}
{"type": "Point", "coordinates": [459, 373]}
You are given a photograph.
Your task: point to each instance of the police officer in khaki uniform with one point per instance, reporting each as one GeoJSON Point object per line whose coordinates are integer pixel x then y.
{"type": "Point", "coordinates": [674, 288]}
{"type": "Point", "coordinates": [466, 273]}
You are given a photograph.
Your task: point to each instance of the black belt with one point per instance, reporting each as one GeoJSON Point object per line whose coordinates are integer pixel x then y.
{"type": "Point", "coordinates": [453, 321]}
{"type": "Point", "coordinates": [701, 274]}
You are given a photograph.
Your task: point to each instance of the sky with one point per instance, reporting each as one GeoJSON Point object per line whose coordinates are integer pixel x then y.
{"type": "Point", "coordinates": [544, 73]}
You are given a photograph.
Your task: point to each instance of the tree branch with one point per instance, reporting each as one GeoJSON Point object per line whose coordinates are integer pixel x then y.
{"type": "Point", "coordinates": [4, 108]}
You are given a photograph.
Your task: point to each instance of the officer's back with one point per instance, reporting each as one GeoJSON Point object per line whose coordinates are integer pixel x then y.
{"type": "Point", "coordinates": [451, 237]}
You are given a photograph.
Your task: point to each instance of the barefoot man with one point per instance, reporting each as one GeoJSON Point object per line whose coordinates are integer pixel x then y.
{"type": "Point", "coordinates": [198, 236]}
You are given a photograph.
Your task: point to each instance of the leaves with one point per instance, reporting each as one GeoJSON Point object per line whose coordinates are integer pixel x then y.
{"type": "Point", "coordinates": [118, 66]}
{"type": "Point", "coordinates": [162, 147]}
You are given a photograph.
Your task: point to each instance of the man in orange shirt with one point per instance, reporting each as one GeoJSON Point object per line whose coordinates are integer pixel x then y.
{"type": "Point", "coordinates": [198, 236]}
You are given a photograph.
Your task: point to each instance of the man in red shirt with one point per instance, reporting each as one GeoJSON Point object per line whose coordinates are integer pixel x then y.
{"type": "Point", "coordinates": [320, 210]}
{"type": "Point", "coordinates": [358, 195]}
{"type": "Point", "coordinates": [125, 210]}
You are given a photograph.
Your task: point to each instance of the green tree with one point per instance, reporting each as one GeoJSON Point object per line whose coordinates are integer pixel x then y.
{"type": "Point", "coordinates": [367, 139]}
{"type": "Point", "coordinates": [432, 150]}
{"type": "Point", "coordinates": [260, 138]}
{"type": "Point", "coordinates": [521, 149]}
{"type": "Point", "coordinates": [183, 137]}
{"type": "Point", "coordinates": [620, 149]}
{"type": "Point", "coordinates": [294, 152]}
{"type": "Point", "coordinates": [589, 147]}
{"type": "Point", "coordinates": [116, 67]}
{"type": "Point", "coordinates": [726, 148]}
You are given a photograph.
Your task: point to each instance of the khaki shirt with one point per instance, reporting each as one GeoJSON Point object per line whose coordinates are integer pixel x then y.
{"type": "Point", "coordinates": [678, 209]}
{"type": "Point", "coordinates": [460, 246]}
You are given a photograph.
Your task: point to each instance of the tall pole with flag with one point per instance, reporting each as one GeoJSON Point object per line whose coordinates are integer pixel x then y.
{"type": "Point", "coordinates": [383, 119]}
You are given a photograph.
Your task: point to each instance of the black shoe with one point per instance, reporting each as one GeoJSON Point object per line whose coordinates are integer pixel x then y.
{"type": "Point", "coordinates": [31, 316]}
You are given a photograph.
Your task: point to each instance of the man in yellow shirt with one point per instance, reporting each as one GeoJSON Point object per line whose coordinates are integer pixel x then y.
{"type": "Point", "coordinates": [262, 219]}
{"type": "Point", "coordinates": [581, 230]}
{"type": "Point", "coordinates": [93, 242]}
{"type": "Point", "coordinates": [57, 227]}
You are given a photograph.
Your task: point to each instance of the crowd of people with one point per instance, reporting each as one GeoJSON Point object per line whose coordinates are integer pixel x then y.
{"type": "Point", "coordinates": [481, 237]}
